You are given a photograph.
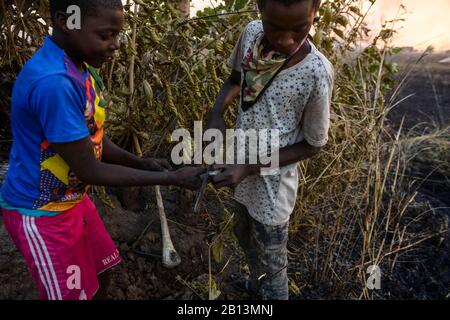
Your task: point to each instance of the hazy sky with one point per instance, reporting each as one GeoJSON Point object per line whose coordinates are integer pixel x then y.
{"type": "Point", "coordinates": [427, 21]}
{"type": "Point", "coordinates": [200, 4]}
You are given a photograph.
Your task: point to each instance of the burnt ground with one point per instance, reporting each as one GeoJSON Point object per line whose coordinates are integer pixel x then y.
{"type": "Point", "coordinates": [425, 274]}
{"type": "Point", "coordinates": [425, 108]}
{"type": "Point", "coordinates": [422, 274]}
{"type": "Point", "coordinates": [426, 89]}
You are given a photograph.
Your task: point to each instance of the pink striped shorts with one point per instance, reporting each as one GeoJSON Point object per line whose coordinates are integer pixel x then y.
{"type": "Point", "coordinates": [65, 253]}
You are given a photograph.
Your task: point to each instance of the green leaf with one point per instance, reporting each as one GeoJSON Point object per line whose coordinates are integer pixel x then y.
{"type": "Point", "coordinates": [148, 92]}
{"type": "Point", "coordinates": [355, 10]}
{"type": "Point", "coordinates": [339, 33]}
{"type": "Point", "coordinates": [217, 250]}
{"type": "Point", "coordinates": [214, 293]}
{"type": "Point", "coordinates": [342, 20]}
{"type": "Point", "coordinates": [293, 288]}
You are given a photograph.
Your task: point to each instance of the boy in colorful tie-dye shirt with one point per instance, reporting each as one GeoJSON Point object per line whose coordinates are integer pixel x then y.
{"type": "Point", "coordinates": [60, 148]}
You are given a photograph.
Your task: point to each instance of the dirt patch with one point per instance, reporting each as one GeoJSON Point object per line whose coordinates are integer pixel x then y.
{"type": "Point", "coordinates": [141, 274]}
{"type": "Point", "coordinates": [16, 281]}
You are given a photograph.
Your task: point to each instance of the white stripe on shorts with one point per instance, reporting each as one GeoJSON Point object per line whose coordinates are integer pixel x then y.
{"type": "Point", "coordinates": [46, 256]}
{"type": "Point", "coordinates": [37, 262]}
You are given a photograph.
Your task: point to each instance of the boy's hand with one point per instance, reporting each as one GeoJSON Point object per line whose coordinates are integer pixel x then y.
{"type": "Point", "coordinates": [156, 164]}
{"type": "Point", "coordinates": [188, 177]}
{"type": "Point", "coordinates": [232, 175]}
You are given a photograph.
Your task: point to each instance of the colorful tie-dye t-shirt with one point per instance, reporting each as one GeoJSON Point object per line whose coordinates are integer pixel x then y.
{"type": "Point", "coordinates": [52, 102]}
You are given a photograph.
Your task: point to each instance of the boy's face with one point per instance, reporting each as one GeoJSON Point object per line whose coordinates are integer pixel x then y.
{"type": "Point", "coordinates": [98, 37]}
{"type": "Point", "coordinates": [287, 26]}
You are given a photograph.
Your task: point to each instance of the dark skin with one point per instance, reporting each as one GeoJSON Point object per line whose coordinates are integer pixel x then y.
{"type": "Point", "coordinates": [95, 44]}
{"type": "Point", "coordinates": [285, 27]}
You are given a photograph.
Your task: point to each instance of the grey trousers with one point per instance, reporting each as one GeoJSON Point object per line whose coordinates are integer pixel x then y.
{"type": "Point", "coordinates": [265, 248]}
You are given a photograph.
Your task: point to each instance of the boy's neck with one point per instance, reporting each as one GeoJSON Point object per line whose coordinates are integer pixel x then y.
{"type": "Point", "coordinates": [62, 43]}
{"type": "Point", "coordinates": [301, 49]}
{"type": "Point", "coordinates": [298, 56]}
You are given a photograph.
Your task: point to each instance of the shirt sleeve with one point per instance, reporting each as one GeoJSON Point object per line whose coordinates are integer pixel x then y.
{"type": "Point", "coordinates": [59, 105]}
{"type": "Point", "coordinates": [235, 59]}
{"type": "Point", "coordinates": [316, 116]}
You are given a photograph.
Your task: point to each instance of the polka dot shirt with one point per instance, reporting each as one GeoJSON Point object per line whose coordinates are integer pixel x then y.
{"type": "Point", "coordinates": [297, 104]}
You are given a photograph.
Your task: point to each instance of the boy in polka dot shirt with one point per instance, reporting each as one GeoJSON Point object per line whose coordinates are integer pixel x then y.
{"type": "Point", "coordinates": [284, 83]}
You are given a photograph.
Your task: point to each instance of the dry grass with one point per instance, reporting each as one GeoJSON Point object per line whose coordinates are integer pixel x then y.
{"type": "Point", "coordinates": [357, 201]}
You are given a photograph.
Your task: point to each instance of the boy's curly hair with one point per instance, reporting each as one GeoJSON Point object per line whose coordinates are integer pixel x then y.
{"type": "Point", "coordinates": [87, 7]}
{"type": "Point", "coordinates": [316, 3]}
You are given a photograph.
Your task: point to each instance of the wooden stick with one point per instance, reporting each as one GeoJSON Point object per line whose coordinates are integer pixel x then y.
{"type": "Point", "coordinates": [170, 257]}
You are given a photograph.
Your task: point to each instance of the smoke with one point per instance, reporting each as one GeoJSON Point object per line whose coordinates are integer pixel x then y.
{"type": "Point", "coordinates": [201, 4]}
{"type": "Point", "coordinates": [426, 22]}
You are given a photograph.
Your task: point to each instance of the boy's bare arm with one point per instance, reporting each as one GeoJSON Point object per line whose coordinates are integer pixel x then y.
{"type": "Point", "coordinates": [232, 175]}
{"type": "Point", "coordinates": [80, 157]}
{"type": "Point", "coordinates": [113, 154]}
{"type": "Point", "coordinates": [228, 93]}
{"type": "Point", "coordinates": [297, 152]}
